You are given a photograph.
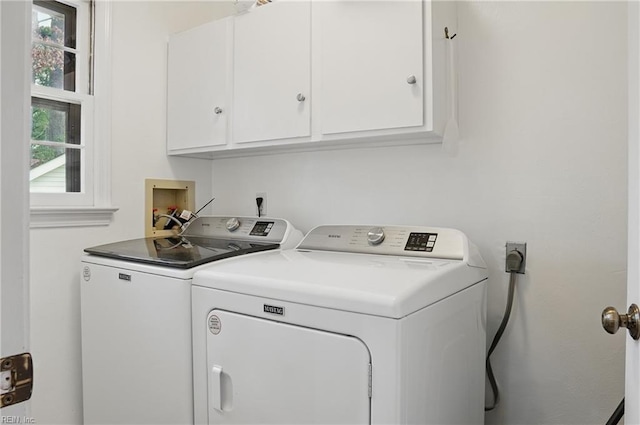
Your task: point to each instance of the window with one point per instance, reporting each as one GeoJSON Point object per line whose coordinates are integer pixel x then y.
{"type": "Point", "coordinates": [68, 37]}
{"type": "Point", "coordinates": [61, 98]}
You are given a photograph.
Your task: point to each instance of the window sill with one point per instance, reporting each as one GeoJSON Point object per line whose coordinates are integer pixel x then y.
{"type": "Point", "coordinates": [47, 217]}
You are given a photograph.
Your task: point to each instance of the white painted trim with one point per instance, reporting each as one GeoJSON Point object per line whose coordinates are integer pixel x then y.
{"type": "Point", "coordinates": [15, 27]}
{"type": "Point", "coordinates": [102, 105]}
{"type": "Point", "coordinates": [632, 357]}
{"type": "Point", "coordinates": [47, 217]}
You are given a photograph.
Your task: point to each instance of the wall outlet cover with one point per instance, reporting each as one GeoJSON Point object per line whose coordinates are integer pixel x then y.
{"type": "Point", "coordinates": [521, 247]}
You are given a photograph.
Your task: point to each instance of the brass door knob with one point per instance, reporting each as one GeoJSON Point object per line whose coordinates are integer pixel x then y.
{"type": "Point", "coordinates": [612, 320]}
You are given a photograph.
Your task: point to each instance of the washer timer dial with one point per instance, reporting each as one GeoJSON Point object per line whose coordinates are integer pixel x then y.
{"type": "Point", "coordinates": [233, 224]}
{"type": "Point", "coordinates": [375, 236]}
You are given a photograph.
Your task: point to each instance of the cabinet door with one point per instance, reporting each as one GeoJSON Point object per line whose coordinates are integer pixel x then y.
{"type": "Point", "coordinates": [272, 71]}
{"type": "Point", "coordinates": [265, 372]}
{"type": "Point", "coordinates": [198, 78]}
{"type": "Point", "coordinates": [370, 51]}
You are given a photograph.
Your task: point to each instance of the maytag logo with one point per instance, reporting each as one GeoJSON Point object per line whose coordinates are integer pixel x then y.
{"type": "Point", "coordinates": [273, 309]}
{"type": "Point", "coordinates": [335, 236]}
{"type": "Point", "coordinates": [123, 276]}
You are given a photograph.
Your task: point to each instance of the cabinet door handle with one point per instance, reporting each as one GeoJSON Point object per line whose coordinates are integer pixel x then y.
{"type": "Point", "coordinates": [411, 79]}
{"type": "Point", "coordinates": [217, 110]}
{"type": "Point", "coordinates": [300, 97]}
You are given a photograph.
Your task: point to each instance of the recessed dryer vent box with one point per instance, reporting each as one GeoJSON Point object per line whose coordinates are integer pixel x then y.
{"type": "Point", "coordinates": [161, 197]}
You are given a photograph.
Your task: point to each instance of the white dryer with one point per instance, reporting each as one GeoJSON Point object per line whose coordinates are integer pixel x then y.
{"type": "Point", "coordinates": [358, 325]}
{"type": "Point", "coordinates": [136, 316]}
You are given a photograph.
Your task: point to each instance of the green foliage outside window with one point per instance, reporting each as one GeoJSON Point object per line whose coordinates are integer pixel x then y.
{"type": "Point", "coordinates": [48, 70]}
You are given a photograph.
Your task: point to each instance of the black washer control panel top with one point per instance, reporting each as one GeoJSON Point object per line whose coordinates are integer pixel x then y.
{"type": "Point", "coordinates": [421, 242]}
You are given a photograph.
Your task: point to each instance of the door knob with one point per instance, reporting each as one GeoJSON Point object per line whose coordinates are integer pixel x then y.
{"type": "Point", "coordinates": [612, 320]}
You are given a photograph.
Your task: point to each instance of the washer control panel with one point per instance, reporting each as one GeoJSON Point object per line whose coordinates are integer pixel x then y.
{"type": "Point", "coordinates": [244, 228]}
{"type": "Point", "coordinates": [421, 242]}
{"type": "Point", "coordinates": [411, 241]}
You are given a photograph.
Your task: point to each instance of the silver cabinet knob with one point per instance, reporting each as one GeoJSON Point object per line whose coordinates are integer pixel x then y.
{"type": "Point", "coordinates": [411, 79]}
{"type": "Point", "coordinates": [300, 97]}
{"type": "Point", "coordinates": [612, 320]}
{"type": "Point", "coordinates": [217, 110]}
{"type": "Point", "coordinates": [375, 236]}
{"type": "Point", "coordinates": [233, 224]}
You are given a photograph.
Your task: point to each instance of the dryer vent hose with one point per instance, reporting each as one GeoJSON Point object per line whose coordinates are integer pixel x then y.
{"type": "Point", "coordinates": [496, 339]}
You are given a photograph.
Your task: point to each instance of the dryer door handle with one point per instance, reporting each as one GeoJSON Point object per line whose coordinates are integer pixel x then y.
{"type": "Point", "coordinates": [215, 387]}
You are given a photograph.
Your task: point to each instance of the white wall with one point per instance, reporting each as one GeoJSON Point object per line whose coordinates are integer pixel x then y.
{"type": "Point", "coordinates": [542, 160]}
{"type": "Point", "coordinates": [138, 152]}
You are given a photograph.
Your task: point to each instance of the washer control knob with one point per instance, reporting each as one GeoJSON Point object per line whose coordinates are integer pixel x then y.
{"type": "Point", "coordinates": [233, 224]}
{"type": "Point", "coordinates": [375, 236]}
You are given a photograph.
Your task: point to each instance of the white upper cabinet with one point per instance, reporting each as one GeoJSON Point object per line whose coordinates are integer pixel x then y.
{"type": "Point", "coordinates": [370, 64]}
{"type": "Point", "coordinates": [313, 74]}
{"type": "Point", "coordinates": [198, 95]}
{"type": "Point", "coordinates": [272, 72]}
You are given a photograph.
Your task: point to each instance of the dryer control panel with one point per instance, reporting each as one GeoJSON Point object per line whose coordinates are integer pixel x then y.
{"type": "Point", "coordinates": [411, 241]}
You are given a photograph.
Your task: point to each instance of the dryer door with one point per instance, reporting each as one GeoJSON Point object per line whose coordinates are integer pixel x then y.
{"type": "Point", "coordinates": [267, 372]}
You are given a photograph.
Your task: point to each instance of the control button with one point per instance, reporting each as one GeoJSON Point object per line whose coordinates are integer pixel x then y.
{"type": "Point", "coordinates": [375, 236]}
{"type": "Point", "coordinates": [430, 244]}
{"type": "Point", "coordinates": [233, 224]}
{"type": "Point", "coordinates": [432, 238]}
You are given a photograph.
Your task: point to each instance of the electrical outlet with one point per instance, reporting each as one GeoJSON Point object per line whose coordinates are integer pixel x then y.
{"type": "Point", "coordinates": [262, 211]}
{"type": "Point", "coordinates": [521, 247]}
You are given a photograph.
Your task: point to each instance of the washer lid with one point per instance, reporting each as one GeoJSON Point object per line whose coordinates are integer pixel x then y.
{"type": "Point", "coordinates": [178, 251]}
{"type": "Point", "coordinates": [382, 285]}
{"type": "Point", "coordinates": [206, 239]}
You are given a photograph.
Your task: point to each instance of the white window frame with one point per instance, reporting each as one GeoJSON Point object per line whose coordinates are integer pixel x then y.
{"type": "Point", "coordinates": [92, 206]}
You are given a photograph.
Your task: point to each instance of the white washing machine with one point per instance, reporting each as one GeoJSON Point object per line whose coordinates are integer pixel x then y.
{"type": "Point", "coordinates": [136, 316]}
{"type": "Point", "coordinates": [357, 325]}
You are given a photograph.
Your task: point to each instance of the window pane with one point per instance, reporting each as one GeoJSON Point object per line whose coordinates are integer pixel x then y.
{"type": "Point", "coordinates": [49, 125]}
{"type": "Point", "coordinates": [53, 28]}
{"type": "Point", "coordinates": [44, 154]}
{"type": "Point", "coordinates": [54, 121]}
{"type": "Point", "coordinates": [54, 169]}
{"type": "Point", "coordinates": [47, 26]}
{"type": "Point", "coordinates": [53, 67]}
